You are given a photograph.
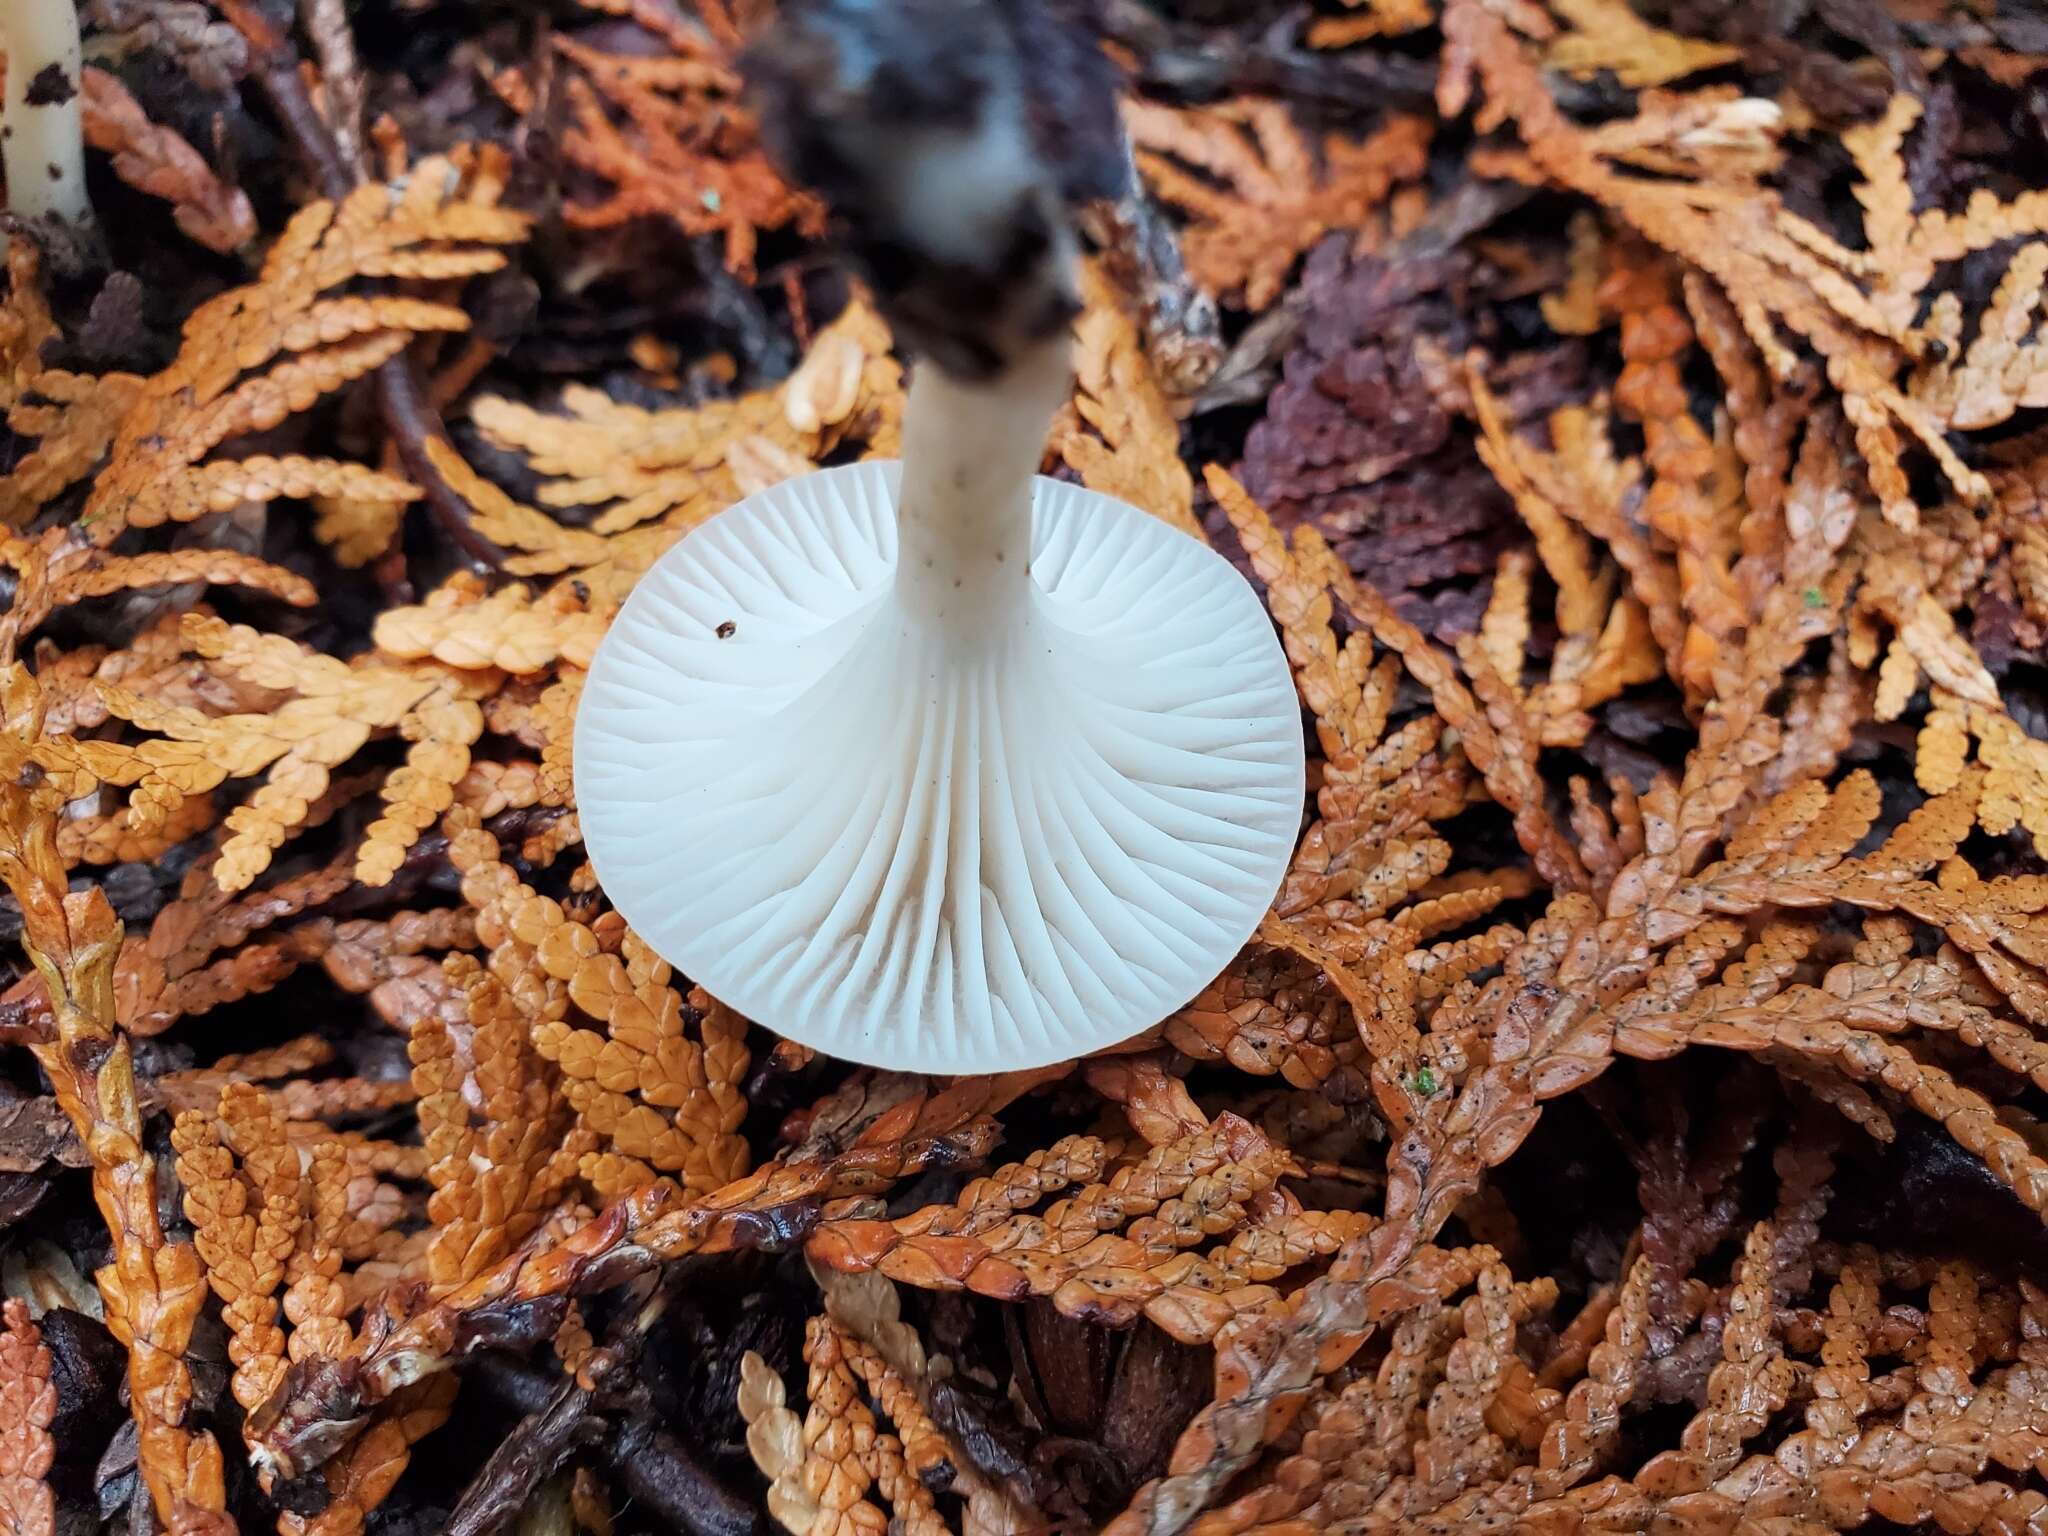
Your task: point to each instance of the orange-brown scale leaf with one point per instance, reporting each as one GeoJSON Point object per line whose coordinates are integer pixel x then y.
{"type": "Point", "coordinates": [28, 1405]}
{"type": "Point", "coordinates": [336, 710]}
{"type": "Point", "coordinates": [671, 468]}
{"type": "Point", "coordinates": [1261, 198]}
{"type": "Point", "coordinates": [153, 1288]}
{"type": "Point", "coordinates": [1178, 1192]}
{"type": "Point", "coordinates": [1270, 1012]}
{"type": "Point", "coordinates": [685, 150]}
{"type": "Point", "coordinates": [554, 718]}
{"type": "Point", "coordinates": [1608, 35]}
{"type": "Point", "coordinates": [74, 416]}
{"type": "Point", "coordinates": [443, 222]}
{"type": "Point", "coordinates": [1132, 450]}
{"type": "Point", "coordinates": [111, 837]}
{"type": "Point", "coordinates": [441, 729]}
{"type": "Point", "coordinates": [155, 160]}
{"type": "Point", "coordinates": [1776, 268]}
{"type": "Point", "coordinates": [1655, 339]}
{"type": "Point", "coordinates": [651, 1224]}
{"type": "Point", "coordinates": [512, 629]}
{"type": "Point", "coordinates": [500, 1168]}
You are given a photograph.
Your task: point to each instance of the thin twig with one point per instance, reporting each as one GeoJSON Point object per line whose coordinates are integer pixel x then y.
{"type": "Point", "coordinates": [412, 420]}
{"type": "Point", "coordinates": [657, 1470]}
{"type": "Point", "coordinates": [1203, 65]}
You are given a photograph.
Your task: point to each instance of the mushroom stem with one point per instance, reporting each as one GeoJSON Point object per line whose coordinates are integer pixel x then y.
{"type": "Point", "coordinates": [43, 147]}
{"type": "Point", "coordinates": [971, 449]}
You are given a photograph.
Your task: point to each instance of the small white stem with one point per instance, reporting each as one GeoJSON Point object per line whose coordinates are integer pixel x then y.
{"type": "Point", "coordinates": [43, 145]}
{"type": "Point", "coordinates": [963, 519]}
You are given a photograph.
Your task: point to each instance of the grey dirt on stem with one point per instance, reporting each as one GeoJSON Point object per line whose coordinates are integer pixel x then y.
{"type": "Point", "coordinates": [951, 141]}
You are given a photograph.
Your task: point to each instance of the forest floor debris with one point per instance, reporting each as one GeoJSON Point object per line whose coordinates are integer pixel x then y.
{"type": "Point", "coordinates": [1629, 1116]}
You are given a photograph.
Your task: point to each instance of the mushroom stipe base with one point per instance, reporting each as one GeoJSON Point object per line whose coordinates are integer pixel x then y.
{"type": "Point", "coordinates": [929, 845]}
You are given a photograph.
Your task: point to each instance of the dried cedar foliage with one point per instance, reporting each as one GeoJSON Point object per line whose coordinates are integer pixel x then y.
{"type": "Point", "coordinates": [1628, 1117]}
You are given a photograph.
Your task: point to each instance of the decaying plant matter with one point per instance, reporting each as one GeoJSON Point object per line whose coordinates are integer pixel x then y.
{"type": "Point", "coordinates": [1629, 1115]}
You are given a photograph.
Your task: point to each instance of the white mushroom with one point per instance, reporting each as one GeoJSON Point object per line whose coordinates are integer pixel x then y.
{"type": "Point", "coordinates": [946, 766]}
{"type": "Point", "coordinates": [42, 143]}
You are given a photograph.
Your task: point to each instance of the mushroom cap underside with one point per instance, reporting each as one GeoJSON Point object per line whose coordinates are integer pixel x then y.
{"type": "Point", "coordinates": [933, 856]}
